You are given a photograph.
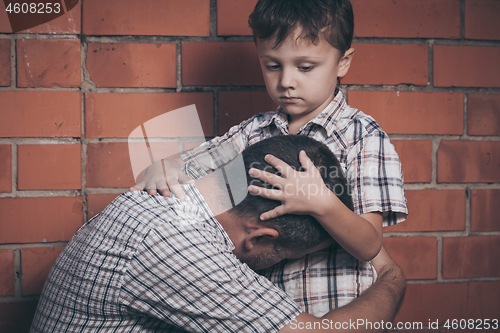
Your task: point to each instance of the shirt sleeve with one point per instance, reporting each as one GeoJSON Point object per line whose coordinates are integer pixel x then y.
{"type": "Point", "coordinates": [375, 177]}
{"type": "Point", "coordinates": [184, 277]}
{"type": "Point", "coordinates": [213, 154]}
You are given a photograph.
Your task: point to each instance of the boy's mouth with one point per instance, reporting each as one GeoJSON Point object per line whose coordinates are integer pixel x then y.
{"type": "Point", "coordinates": [286, 99]}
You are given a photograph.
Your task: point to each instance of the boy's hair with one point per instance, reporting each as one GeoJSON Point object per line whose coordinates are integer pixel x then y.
{"type": "Point", "coordinates": [297, 231]}
{"type": "Point", "coordinates": [277, 19]}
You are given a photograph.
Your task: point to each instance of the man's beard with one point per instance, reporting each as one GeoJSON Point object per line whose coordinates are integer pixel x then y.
{"type": "Point", "coordinates": [261, 261]}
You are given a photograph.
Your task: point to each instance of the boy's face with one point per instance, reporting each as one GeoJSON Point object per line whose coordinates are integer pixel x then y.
{"type": "Point", "coordinates": [301, 76]}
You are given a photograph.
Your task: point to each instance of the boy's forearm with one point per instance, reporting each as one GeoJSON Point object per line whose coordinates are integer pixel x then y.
{"type": "Point", "coordinates": [354, 233]}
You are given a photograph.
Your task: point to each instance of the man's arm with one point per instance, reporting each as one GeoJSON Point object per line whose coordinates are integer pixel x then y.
{"type": "Point", "coordinates": [378, 304]}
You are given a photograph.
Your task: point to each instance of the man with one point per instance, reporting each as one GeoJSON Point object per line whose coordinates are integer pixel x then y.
{"type": "Point", "coordinates": [154, 264]}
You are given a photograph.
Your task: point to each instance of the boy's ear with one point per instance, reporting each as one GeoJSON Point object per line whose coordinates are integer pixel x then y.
{"type": "Point", "coordinates": [260, 236]}
{"type": "Point", "coordinates": [345, 62]}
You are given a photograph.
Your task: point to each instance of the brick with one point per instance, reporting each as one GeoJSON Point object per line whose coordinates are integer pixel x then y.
{"type": "Point", "coordinates": [16, 317]}
{"type": "Point", "coordinates": [68, 23]}
{"type": "Point", "coordinates": [412, 112]}
{"type": "Point", "coordinates": [483, 114]}
{"type": "Point", "coordinates": [415, 156]}
{"type": "Point", "coordinates": [108, 164]}
{"type": "Point", "coordinates": [388, 64]}
{"type": "Point", "coordinates": [48, 63]}
{"type": "Point", "coordinates": [220, 63]}
{"type": "Point", "coordinates": [49, 167]}
{"type": "Point", "coordinates": [466, 66]}
{"type": "Point", "coordinates": [236, 106]}
{"type": "Point", "coordinates": [132, 64]}
{"type": "Point", "coordinates": [232, 17]}
{"type": "Point", "coordinates": [36, 264]}
{"type": "Point", "coordinates": [433, 301]}
{"type": "Point", "coordinates": [417, 256]}
{"type": "Point", "coordinates": [472, 256]}
{"type": "Point", "coordinates": [483, 300]}
{"type": "Point", "coordinates": [4, 62]}
{"type": "Point", "coordinates": [468, 162]}
{"type": "Point", "coordinates": [481, 19]}
{"type": "Point", "coordinates": [96, 202]}
{"type": "Point", "coordinates": [4, 19]}
{"type": "Point", "coordinates": [7, 273]}
{"type": "Point", "coordinates": [484, 210]}
{"type": "Point", "coordinates": [147, 17]}
{"type": "Point", "coordinates": [406, 19]}
{"type": "Point", "coordinates": [40, 113]}
{"type": "Point", "coordinates": [5, 168]}
{"type": "Point", "coordinates": [31, 220]}
{"type": "Point", "coordinates": [110, 115]}
{"type": "Point", "coordinates": [433, 210]}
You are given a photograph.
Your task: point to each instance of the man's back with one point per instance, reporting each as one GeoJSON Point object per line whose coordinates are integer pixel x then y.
{"type": "Point", "coordinates": [149, 263]}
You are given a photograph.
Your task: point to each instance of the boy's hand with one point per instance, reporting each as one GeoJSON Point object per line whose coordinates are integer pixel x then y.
{"type": "Point", "coordinates": [162, 175]}
{"type": "Point", "coordinates": [299, 192]}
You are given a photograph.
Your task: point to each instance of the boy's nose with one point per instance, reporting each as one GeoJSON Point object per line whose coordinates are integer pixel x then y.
{"type": "Point", "coordinates": [288, 79]}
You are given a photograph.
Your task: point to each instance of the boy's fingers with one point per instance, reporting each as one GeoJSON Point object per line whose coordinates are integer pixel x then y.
{"type": "Point", "coordinates": [265, 192]}
{"type": "Point", "coordinates": [305, 161]}
{"type": "Point", "coordinates": [137, 187]}
{"type": "Point", "coordinates": [268, 177]}
{"type": "Point", "coordinates": [278, 211]}
{"type": "Point", "coordinates": [163, 189]}
{"type": "Point", "coordinates": [281, 166]}
{"type": "Point", "coordinates": [178, 191]}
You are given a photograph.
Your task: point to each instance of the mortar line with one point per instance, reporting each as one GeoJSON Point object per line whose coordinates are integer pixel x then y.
{"type": "Point", "coordinates": [18, 286]}
{"type": "Point", "coordinates": [13, 63]}
{"type": "Point", "coordinates": [462, 20]}
{"type": "Point", "coordinates": [14, 169]}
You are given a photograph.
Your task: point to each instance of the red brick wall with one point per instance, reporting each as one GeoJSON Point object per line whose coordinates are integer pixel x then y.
{"type": "Point", "coordinates": [72, 89]}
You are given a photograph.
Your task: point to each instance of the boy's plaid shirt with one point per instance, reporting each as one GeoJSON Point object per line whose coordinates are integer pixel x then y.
{"type": "Point", "coordinates": [374, 175]}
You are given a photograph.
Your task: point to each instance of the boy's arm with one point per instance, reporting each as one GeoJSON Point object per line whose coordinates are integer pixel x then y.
{"type": "Point", "coordinates": [306, 193]}
{"type": "Point", "coordinates": [376, 307]}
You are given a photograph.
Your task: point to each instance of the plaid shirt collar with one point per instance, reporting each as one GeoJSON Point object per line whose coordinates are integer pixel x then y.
{"type": "Point", "coordinates": [326, 119]}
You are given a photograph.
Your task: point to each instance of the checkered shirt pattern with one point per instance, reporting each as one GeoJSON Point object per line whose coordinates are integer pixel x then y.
{"type": "Point", "coordinates": [154, 264]}
{"type": "Point", "coordinates": [374, 175]}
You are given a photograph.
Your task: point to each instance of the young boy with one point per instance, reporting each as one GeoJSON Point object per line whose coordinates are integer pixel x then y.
{"type": "Point", "coordinates": [304, 47]}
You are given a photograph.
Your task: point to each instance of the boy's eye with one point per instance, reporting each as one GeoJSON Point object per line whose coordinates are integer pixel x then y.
{"type": "Point", "coordinates": [273, 67]}
{"type": "Point", "coordinates": [306, 68]}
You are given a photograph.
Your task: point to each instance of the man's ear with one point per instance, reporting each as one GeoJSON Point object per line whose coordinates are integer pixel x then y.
{"type": "Point", "coordinates": [345, 62]}
{"type": "Point", "coordinates": [260, 236]}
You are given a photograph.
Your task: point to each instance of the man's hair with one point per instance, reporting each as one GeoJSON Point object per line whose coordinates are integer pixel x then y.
{"type": "Point", "coordinates": [297, 231]}
{"type": "Point", "coordinates": [276, 19]}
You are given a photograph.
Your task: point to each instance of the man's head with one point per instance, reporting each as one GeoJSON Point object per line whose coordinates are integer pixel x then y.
{"type": "Point", "coordinates": [304, 48]}
{"type": "Point", "coordinates": [264, 243]}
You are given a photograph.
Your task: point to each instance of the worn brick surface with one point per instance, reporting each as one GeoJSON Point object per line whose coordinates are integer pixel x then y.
{"type": "Point", "coordinates": [415, 156]}
{"type": "Point", "coordinates": [236, 106]}
{"type": "Point", "coordinates": [472, 256]}
{"type": "Point", "coordinates": [407, 19]}
{"type": "Point", "coordinates": [49, 167]}
{"type": "Point", "coordinates": [108, 165]}
{"type": "Point", "coordinates": [5, 168]}
{"type": "Point", "coordinates": [96, 202]}
{"type": "Point", "coordinates": [68, 23]}
{"type": "Point", "coordinates": [443, 301]}
{"type": "Point", "coordinates": [16, 317]}
{"type": "Point", "coordinates": [485, 210]}
{"type": "Point", "coordinates": [417, 256]}
{"type": "Point", "coordinates": [36, 264]}
{"type": "Point", "coordinates": [48, 63]}
{"type": "Point", "coordinates": [481, 19]}
{"type": "Point", "coordinates": [220, 63]}
{"type": "Point", "coordinates": [29, 220]}
{"type": "Point", "coordinates": [232, 17]}
{"type": "Point", "coordinates": [147, 17]}
{"type": "Point", "coordinates": [433, 210]}
{"type": "Point", "coordinates": [381, 64]}
{"type": "Point", "coordinates": [468, 161]}
{"type": "Point", "coordinates": [4, 62]}
{"type": "Point", "coordinates": [466, 66]}
{"type": "Point", "coordinates": [132, 64]}
{"type": "Point", "coordinates": [483, 114]}
{"type": "Point", "coordinates": [7, 273]}
{"type": "Point", "coordinates": [412, 112]}
{"type": "Point", "coordinates": [117, 115]}
{"type": "Point", "coordinates": [40, 113]}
